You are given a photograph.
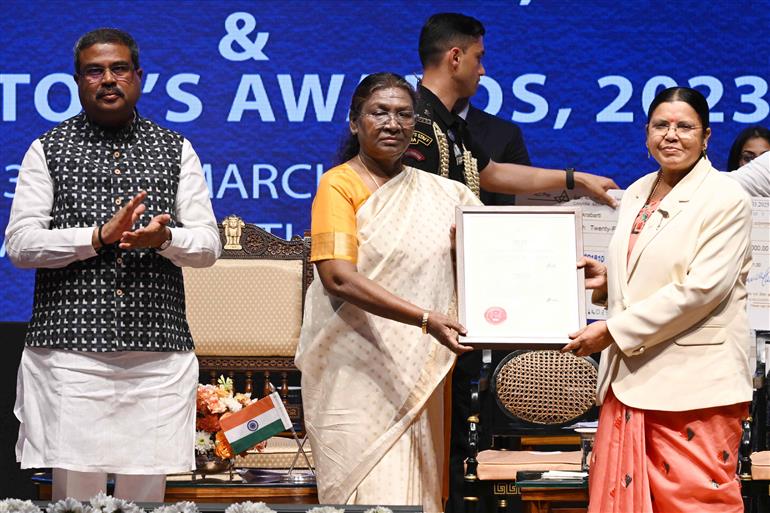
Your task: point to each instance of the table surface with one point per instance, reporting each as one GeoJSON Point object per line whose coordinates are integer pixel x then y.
{"type": "Point", "coordinates": [243, 478]}
{"type": "Point", "coordinates": [218, 489]}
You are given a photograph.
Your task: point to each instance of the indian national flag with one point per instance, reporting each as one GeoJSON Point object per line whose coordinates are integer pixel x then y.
{"type": "Point", "coordinates": [255, 423]}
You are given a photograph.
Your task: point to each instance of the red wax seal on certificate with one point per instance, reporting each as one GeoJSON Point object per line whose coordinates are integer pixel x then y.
{"type": "Point", "coordinates": [495, 315]}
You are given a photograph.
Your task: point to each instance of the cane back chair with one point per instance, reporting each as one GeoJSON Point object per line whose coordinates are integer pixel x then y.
{"type": "Point", "coordinates": [535, 394]}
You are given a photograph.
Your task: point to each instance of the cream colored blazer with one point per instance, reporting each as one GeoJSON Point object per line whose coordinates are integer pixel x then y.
{"type": "Point", "coordinates": [677, 310]}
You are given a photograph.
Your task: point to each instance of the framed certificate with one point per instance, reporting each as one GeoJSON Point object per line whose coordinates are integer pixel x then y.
{"type": "Point", "coordinates": [518, 284]}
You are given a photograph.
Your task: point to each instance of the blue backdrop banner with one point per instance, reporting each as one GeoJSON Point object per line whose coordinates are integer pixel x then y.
{"type": "Point", "coordinates": [262, 89]}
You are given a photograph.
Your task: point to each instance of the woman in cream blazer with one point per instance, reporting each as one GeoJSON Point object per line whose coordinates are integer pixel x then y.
{"type": "Point", "coordinates": [674, 378]}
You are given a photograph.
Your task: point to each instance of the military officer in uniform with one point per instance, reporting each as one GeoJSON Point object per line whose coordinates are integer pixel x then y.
{"type": "Point", "coordinates": [451, 49]}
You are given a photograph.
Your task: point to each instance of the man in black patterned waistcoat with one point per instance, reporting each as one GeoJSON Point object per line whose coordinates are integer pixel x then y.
{"type": "Point", "coordinates": [108, 207]}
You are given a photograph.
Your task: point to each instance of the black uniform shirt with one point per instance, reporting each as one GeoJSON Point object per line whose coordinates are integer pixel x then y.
{"type": "Point", "coordinates": [424, 153]}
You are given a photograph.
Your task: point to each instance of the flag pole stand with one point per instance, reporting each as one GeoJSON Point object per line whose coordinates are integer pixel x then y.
{"type": "Point", "coordinates": [303, 477]}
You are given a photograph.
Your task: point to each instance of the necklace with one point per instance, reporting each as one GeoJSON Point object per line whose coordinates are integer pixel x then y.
{"type": "Point", "coordinates": [646, 212]}
{"type": "Point", "coordinates": [371, 176]}
{"type": "Point", "coordinates": [654, 188]}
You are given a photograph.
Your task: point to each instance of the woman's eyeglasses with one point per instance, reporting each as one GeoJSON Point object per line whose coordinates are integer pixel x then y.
{"type": "Point", "coordinates": [683, 130]}
{"type": "Point", "coordinates": [404, 118]}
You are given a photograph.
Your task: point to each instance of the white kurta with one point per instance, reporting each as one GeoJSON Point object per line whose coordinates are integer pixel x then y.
{"type": "Point", "coordinates": [129, 412]}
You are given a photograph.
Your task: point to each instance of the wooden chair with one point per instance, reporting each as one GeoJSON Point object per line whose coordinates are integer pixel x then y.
{"type": "Point", "coordinates": [547, 390]}
{"type": "Point", "coordinates": [245, 312]}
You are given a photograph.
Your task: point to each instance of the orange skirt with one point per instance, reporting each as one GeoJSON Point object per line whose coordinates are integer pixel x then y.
{"type": "Point", "coordinates": [648, 461]}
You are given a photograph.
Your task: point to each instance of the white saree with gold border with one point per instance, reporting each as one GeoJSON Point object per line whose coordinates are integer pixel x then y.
{"type": "Point", "coordinates": [372, 388]}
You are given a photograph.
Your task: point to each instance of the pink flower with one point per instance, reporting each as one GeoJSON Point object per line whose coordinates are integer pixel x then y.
{"type": "Point", "coordinates": [215, 405]}
{"type": "Point", "coordinates": [208, 400]}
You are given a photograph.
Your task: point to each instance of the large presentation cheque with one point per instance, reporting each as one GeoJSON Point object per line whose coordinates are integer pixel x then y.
{"type": "Point", "coordinates": [599, 223]}
{"type": "Point", "coordinates": [518, 286]}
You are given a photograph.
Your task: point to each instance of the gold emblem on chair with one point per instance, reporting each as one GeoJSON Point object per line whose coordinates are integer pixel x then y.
{"type": "Point", "coordinates": [233, 226]}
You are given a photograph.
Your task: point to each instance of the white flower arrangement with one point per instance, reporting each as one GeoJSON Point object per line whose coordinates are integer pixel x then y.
{"type": "Point", "coordinates": [100, 503]}
{"type": "Point", "coordinates": [103, 503]}
{"type": "Point", "coordinates": [249, 507]}
{"type": "Point", "coordinates": [379, 509]}
{"type": "Point", "coordinates": [179, 507]}
{"type": "Point", "coordinates": [68, 505]}
{"type": "Point", "coordinates": [18, 506]}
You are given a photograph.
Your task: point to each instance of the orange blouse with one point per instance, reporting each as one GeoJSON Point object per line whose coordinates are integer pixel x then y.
{"type": "Point", "coordinates": [334, 235]}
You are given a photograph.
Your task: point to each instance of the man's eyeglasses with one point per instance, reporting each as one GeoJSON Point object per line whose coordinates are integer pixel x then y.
{"type": "Point", "coordinates": [681, 129]}
{"type": "Point", "coordinates": [404, 118]}
{"type": "Point", "coordinates": [119, 71]}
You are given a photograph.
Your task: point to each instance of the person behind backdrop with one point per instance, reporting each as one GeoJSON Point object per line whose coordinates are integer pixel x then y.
{"type": "Point", "coordinates": [108, 207]}
{"type": "Point", "coordinates": [674, 378]}
{"type": "Point", "coordinates": [750, 144]}
{"type": "Point", "coordinates": [754, 177]}
{"type": "Point", "coordinates": [378, 338]}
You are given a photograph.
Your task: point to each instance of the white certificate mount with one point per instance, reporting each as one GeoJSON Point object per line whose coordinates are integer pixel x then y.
{"type": "Point", "coordinates": [518, 284]}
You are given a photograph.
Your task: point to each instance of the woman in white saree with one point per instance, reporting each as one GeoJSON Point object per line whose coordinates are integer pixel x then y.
{"type": "Point", "coordinates": [372, 379]}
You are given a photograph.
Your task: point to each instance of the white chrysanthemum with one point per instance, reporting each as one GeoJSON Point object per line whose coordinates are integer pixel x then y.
{"type": "Point", "coordinates": [17, 506]}
{"type": "Point", "coordinates": [203, 443]}
{"type": "Point", "coordinates": [379, 509]}
{"type": "Point", "coordinates": [187, 507]}
{"type": "Point", "coordinates": [68, 505]}
{"type": "Point", "coordinates": [249, 507]}
{"type": "Point", "coordinates": [325, 509]}
{"type": "Point", "coordinates": [232, 404]}
{"type": "Point", "coordinates": [123, 506]}
{"type": "Point", "coordinates": [179, 507]}
{"type": "Point", "coordinates": [103, 503]}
